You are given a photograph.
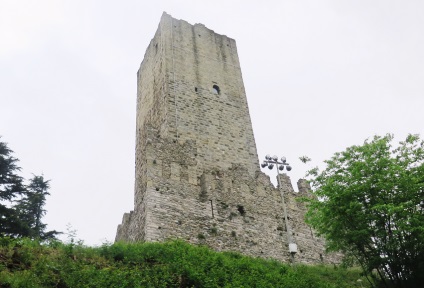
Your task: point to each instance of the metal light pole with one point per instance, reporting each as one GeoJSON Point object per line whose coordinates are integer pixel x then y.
{"type": "Point", "coordinates": [270, 162]}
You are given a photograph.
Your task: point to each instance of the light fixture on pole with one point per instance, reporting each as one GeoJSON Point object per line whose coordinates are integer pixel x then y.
{"type": "Point", "coordinates": [280, 165]}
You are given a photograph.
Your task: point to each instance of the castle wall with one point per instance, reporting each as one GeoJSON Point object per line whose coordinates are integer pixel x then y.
{"type": "Point", "coordinates": [227, 210]}
{"type": "Point", "coordinates": [197, 171]}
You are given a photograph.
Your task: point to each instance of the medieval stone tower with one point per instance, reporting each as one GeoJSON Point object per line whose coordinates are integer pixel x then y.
{"type": "Point", "coordinates": [197, 170]}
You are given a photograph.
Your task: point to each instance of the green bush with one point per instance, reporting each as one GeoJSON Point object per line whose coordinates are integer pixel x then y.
{"type": "Point", "coordinates": [26, 263]}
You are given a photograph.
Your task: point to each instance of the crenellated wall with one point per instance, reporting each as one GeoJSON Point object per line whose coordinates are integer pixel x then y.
{"type": "Point", "coordinates": [197, 170]}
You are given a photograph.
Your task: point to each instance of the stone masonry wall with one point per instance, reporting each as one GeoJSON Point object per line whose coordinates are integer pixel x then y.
{"type": "Point", "coordinates": [196, 60]}
{"type": "Point", "coordinates": [227, 210]}
{"type": "Point", "coordinates": [197, 170]}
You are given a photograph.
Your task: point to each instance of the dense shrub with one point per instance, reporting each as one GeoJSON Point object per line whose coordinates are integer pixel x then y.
{"type": "Point", "coordinates": [26, 263]}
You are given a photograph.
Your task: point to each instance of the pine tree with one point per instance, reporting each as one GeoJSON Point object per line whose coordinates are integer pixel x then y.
{"type": "Point", "coordinates": [11, 187]}
{"type": "Point", "coordinates": [31, 209]}
{"type": "Point", "coordinates": [21, 206]}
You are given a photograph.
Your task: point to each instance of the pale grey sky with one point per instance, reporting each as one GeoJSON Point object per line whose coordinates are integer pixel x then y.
{"type": "Point", "coordinates": [319, 76]}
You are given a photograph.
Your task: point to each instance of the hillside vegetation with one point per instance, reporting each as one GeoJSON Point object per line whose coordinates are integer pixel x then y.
{"type": "Point", "coordinates": [27, 263]}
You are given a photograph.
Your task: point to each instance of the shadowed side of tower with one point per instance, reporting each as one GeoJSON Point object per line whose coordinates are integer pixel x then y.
{"type": "Point", "coordinates": [197, 171]}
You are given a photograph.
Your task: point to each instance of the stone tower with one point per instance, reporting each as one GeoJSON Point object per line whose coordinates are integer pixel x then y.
{"type": "Point", "coordinates": [197, 171]}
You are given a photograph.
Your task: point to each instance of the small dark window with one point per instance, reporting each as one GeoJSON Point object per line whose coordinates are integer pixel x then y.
{"type": "Point", "coordinates": [216, 90]}
{"type": "Point", "coordinates": [195, 89]}
{"type": "Point", "coordinates": [241, 210]}
{"type": "Point", "coordinates": [212, 209]}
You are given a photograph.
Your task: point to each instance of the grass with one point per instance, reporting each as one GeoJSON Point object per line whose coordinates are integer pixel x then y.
{"type": "Point", "coordinates": [28, 263]}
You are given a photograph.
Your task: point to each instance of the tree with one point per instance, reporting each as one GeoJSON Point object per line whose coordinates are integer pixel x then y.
{"type": "Point", "coordinates": [11, 186]}
{"type": "Point", "coordinates": [30, 209]}
{"type": "Point", "coordinates": [21, 206]}
{"type": "Point", "coordinates": [370, 205]}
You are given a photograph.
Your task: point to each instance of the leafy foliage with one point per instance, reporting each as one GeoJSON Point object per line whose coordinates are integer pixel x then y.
{"type": "Point", "coordinates": [26, 263]}
{"type": "Point", "coordinates": [304, 159]}
{"type": "Point", "coordinates": [370, 206]}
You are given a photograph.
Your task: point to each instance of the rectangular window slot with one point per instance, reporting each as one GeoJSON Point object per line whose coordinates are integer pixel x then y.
{"type": "Point", "coordinates": [212, 209]}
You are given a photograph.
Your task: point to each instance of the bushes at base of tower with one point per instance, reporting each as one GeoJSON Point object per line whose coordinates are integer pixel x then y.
{"type": "Point", "coordinates": [27, 263]}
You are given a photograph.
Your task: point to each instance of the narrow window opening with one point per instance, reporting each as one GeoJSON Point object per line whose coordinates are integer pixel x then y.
{"type": "Point", "coordinates": [216, 90]}
{"type": "Point", "coordinates": [241, 210]}
{"type": "Point", "coordinates": [195, 89]}
{"type": "Point", "coordinates": [213, 216]}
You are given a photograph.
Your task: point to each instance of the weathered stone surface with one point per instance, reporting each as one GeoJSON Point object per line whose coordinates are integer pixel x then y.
{"type": "Point", "coordinates": [197, 171]}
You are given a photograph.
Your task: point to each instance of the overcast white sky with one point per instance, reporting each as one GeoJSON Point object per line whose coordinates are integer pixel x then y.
{"type": "Point", "coordinates": [319, 76]}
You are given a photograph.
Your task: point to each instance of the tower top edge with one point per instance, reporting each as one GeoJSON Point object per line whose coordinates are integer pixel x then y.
{"type": "Point", "coordinates": [166, 17]}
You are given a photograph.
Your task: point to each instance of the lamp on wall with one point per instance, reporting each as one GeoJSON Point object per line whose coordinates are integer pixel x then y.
{"type": "Point", "coordinates": [270, 162]}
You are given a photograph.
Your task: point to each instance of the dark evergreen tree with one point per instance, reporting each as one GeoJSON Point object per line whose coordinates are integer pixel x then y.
{"type": "Point", "coordinates": [21, 206]}
{"type": "Point", "coordinates": [11, 187]}
{"type": "Point", "coordinates": [31, 209]}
